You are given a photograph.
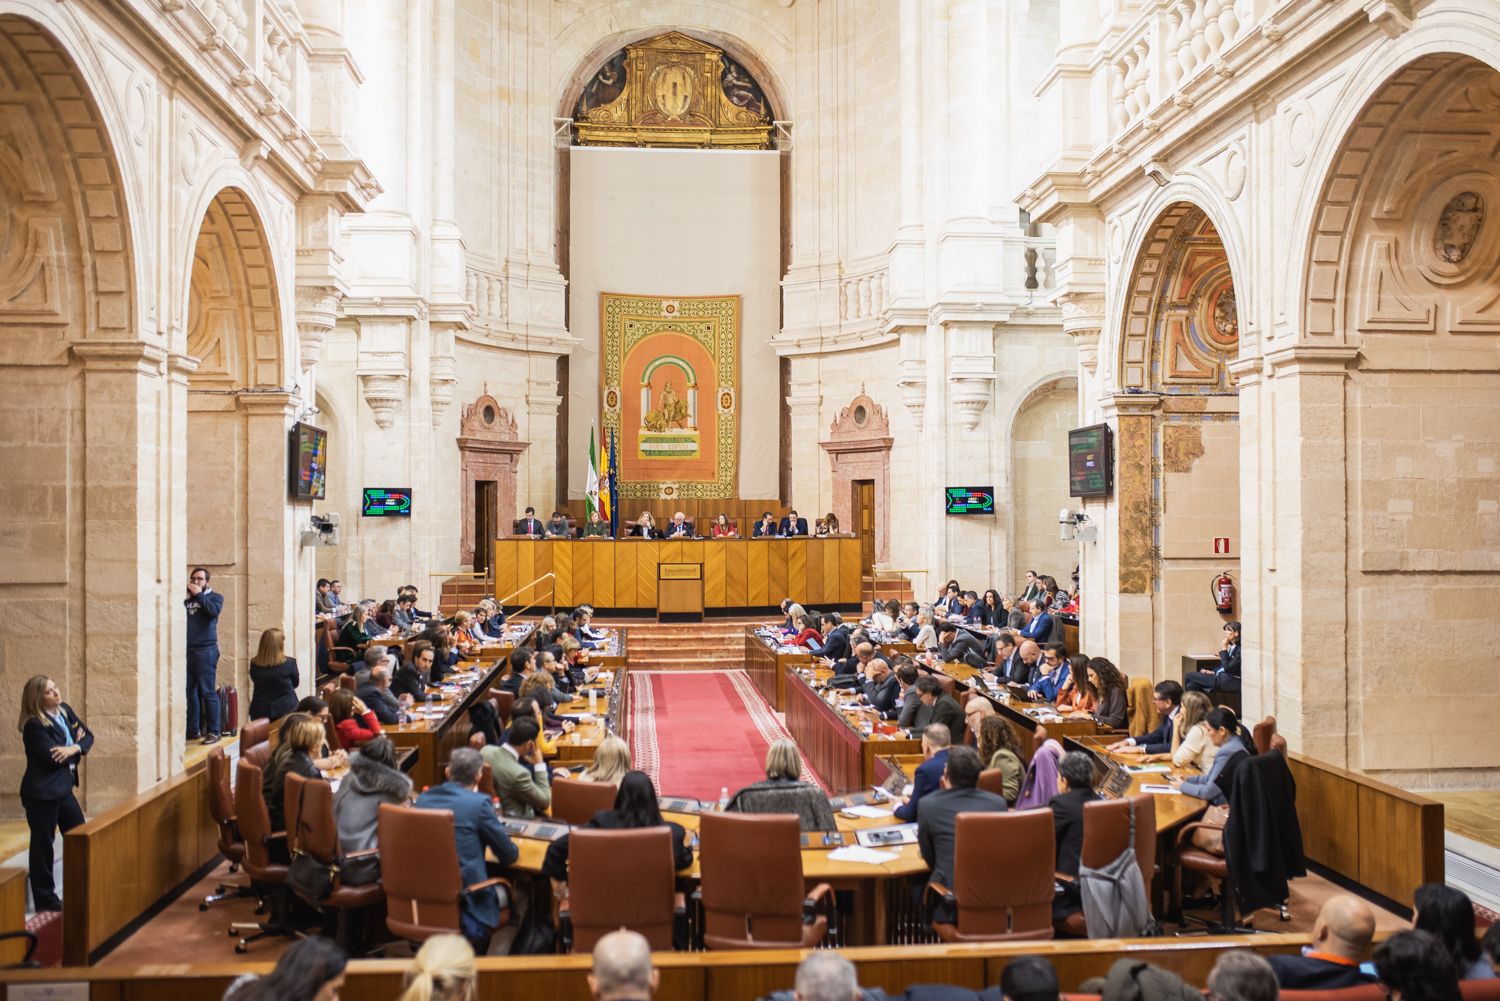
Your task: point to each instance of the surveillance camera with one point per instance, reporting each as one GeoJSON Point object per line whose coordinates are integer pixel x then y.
{"type": "Point", "coordinates": [331, 519]}
{"type": "Point", "coordinates": [1065, 517]}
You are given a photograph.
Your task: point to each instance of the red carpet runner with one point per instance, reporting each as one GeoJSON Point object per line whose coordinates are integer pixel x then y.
{"type": "Point", "coordinates": [696, 732]}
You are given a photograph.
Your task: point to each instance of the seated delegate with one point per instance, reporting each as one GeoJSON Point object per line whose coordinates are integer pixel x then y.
{"type": "Point", "coordinates": [1227, 677]}
{"type": "Point", "coordinates": [1076, 774]}
{"type": "Point", "coordinates": [936, 739]}
{"type": "Point", "coordinates": [373, 779]}
{"type": "Point", "coordinates": [680, 527]}
{"type": "Point", "coordinates": [595, 528]}
{"type": "Point", "coordinates": [783, 791]}
{"type": "Point", "coordinates": [937, 818]}
{"type": "Point", "coordinates": [645, 527]}
{"type": "Point", "coordinates": [792, 525]}
{"type": "Point", "coordinates": [1223, 728]}
{"type": "Point", "coordinates": [723, 528]}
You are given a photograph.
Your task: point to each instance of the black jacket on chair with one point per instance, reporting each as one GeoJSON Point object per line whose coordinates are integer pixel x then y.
{"type": "Point", "coordinates": [1262, 840]}
{"type": "Point", "coordinates": [46, 779]}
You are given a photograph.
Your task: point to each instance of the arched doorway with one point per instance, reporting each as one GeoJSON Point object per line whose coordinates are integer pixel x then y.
{"type": "Point", "coordinates": [1388, 545]}
{"type": "Point", "coordinates": [1177, 443]}
{"type": "Point", "coordinates": [80, 410]}
{"type": "Point", "coordinates": [1039, 481]}
{"type": "Point", "coordinates": [239, 523]}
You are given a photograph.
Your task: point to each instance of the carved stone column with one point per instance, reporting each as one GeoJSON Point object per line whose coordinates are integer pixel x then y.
{"type": "Point", "coordinates": [1131, 519]}
{"type": "Point", "coordinates": [804, 397]}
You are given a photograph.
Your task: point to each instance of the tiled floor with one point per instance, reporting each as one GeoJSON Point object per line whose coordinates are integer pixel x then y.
{"type": "Point", "coordinates": [1474, 815]}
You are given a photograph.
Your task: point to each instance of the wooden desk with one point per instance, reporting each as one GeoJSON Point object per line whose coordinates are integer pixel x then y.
{"type": "Point", "coordinates": [767, 666]}
{"type": "Point", "coordinates": [435, 737]}
{"type": "Point", "coordinates": [610, 715]}
{"type": "Point", "coordinates": [12, 913]}
{"type": "Point", "coordinates": [832, 740]}
{"type": "Point", "coordinates": [1024, 717]}
{"type": "Point", "coordinates": [679, 589]}
{"type": "Point", "coordinates": [737, 573]}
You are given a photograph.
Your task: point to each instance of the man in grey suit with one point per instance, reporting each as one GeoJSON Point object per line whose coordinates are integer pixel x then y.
{"type": "Point", "coordinates": [475, 828]}
{"type": "Point", "coordinates": [519, 772]}
{"type": "Point", "coordinates": [937, 817]}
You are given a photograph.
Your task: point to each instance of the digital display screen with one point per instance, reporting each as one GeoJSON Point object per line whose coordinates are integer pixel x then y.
{"type": "Point", "coordinates": [307, 465]}
{"type": "Point", "coordinates": [386, 502]}
{"type": "Point", "coordinates": [970, 500]}
{"type": "Point", "coordinates": [1090, 461]}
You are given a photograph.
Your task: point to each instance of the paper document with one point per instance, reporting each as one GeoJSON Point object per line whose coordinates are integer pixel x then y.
{"type": "Point", "coordinates": [872, 856]}
{"type": "Point", "coordinates": [1142, 769]}
{"type": "Point", "coordinates": [1161, 790]}
{"type": "Point", "coordinates": [869, 812]}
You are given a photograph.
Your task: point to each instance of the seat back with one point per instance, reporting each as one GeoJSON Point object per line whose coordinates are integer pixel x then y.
{"type": "Point", "coordinates": [221, 805]}
{"type": "Point", "coordinates": [326, 691]}
{"type": "Point", "coordinates": [258, 754]}
{"type": "Point", "coordinates": [291, 808]}
{"type": "Point", "coordinates": [487, 780]}
{"type": "Point", "coordinates": [576, 801]}
{"type": "Point", "coordinates": [1262, 733]}
{"type": "Point", "coordinates": [1371, 992]}
{"type": "Point", "coordinates": [1480, 990]}
{"type": "Point", "coordinates": [1013, 902]}
{"type": "Point", "coordinates": [419, 871]}
{"type": "Point", "coordinates": [331, 733]}
{"type": "Point", "coordinates": [317, 832]}
{"type": "Point", "coordinates": [751, 878]}
{"type": "Point", "coordinates": [255, 823]}
{"type": "Point", "coordinates": [992, 780]}
{"type": "Point", "coordinates": [1106, 825]}
{"type": "Point", "coordinates": [256, 731]}
{"type": "Point", "coordinates": [1140, 706]}
{"type": "Point", "coordinates": [621, 879]}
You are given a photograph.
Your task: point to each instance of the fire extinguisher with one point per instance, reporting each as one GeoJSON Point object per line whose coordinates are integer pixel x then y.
{"type": "Point", "coordinates": [1223, 591]}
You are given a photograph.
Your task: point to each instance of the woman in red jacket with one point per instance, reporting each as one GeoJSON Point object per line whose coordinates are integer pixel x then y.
{"type": "Point", "coordinates": [354, 724]}
{"type": "Point", "coordinates": [808, 633]}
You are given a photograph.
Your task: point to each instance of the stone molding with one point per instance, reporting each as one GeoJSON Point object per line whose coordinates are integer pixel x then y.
{"type": "Point", "coordinates": [317, 312]}
{"type": "Point", "coordinates": [383, 379]}
{"type": "Point", "coordinates": [125, 356]}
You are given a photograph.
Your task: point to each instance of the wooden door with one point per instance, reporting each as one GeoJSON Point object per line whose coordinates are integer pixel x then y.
{"type": "Point", "coordinates": [862, 512]}
{"type": "Point", "coordinates": [486, 506]}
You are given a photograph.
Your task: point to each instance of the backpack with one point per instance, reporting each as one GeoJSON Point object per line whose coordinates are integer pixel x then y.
{"type": "Point", "coordinates": [1114, 895]}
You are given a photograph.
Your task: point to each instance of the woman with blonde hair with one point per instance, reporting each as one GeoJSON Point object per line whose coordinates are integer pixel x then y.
{"type": "Point", "coordinates": [783, 791]}
{"type": "Point", "coordinates": [55, 740]}
{"type": "Point", "coordinates": [273, 678]}
{"type": "Point", "coordinates": [443, 970]}
{"type": "Point", "coordinates": [1195, 749]}
{"type": "Point", "coordinates": [611, 762]}
{"type": "Point", "coordinates": [301, 737]}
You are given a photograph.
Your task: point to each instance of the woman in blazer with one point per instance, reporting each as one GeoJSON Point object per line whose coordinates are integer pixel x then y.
{"type": "Point", "coordinates": [724, 528]}
{"type": "Point", "coordinates": [353, 721]}
{"type": "Point", "coordinates": [55, 739]}
{"type": "Point", "coordinates": [273, 678]}
{"type": "Point", "coordinates": [1223, 728]}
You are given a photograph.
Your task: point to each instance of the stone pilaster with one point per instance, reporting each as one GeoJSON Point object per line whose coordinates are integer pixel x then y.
{"type": "Point", "coordinates": [804, 400]}
{"type": "Point", "coordinates": [1130, 518]}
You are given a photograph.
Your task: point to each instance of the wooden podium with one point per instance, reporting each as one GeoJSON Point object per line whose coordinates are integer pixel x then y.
{"type": "Point", "coordinates": [679, 590]}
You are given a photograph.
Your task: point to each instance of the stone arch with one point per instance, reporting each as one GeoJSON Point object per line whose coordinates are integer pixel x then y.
{"type": "Point", "coordinates": [587, 42]}
{"type": "Point", "coordinates": [1037, 437]}
{"type": "Point", "coordinates": [1144, 251]}
{"type": "Point", "coordinates": [1423, 144]}
{"type": "Point", "coordinates": [234, 316]}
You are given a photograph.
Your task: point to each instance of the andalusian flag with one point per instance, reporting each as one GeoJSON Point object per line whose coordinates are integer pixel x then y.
{"type": "Point", "coordinates": [591, 492]}
{"type": "Point", "coordinates": [602, 487]}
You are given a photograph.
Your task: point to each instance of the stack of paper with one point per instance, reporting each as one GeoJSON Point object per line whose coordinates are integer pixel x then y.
{"type": "Point", "coordinates": [870, 856]}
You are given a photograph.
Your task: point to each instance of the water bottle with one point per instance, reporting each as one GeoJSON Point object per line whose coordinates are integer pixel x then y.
{"type": "Point", "coordinates": [431, 698]}
{"type": "Point", "coordinates": [593, 700]}
{"type": "Point", "coordinates": [723, 799]}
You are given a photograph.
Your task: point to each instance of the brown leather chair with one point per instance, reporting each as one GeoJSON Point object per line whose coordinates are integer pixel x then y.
{"type": "Point", "coordinates": [313, 831]}
{"type": "Point", "coordinates": [255, 824]}
{"type": "Point", "coordinates": [751, 884]}
{"type": "Point", "coordinates": [231, 843]}
{"type": "Point", "coordinates": [1372, 992]}
{"type": "Point", "coordinates": [328, 640]}
{"type": "Point", "coordinates": [331, 734]}
{"type": "Point", "coordinates": [1262, 733]}
{"type": "Point", "coordinates": [1106, 825]}
{"type": "Point", "coordinates": [620, 879]}
{"type": "Point", "coordinates": [487, 780]}
{"type": "Point", "coordinates": [255, 742]}
{"type": "Point", "coordinates": [1000, 904]}
{"type": "Point", "coordinates": [421, 876]}
{"type": "Point", "coordinates": [992, 780]}
{"type": "Point", "coordinates": [576, 801]}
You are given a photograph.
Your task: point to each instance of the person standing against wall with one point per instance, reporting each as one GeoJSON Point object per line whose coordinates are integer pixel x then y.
{"type": "Point", "coordinates": [55, 740]}
{"type": "Point", "coordinates": [203, 606]}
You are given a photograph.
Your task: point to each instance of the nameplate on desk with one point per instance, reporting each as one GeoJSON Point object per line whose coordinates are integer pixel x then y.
{"type": "Point", "coordinates": [681, 571]}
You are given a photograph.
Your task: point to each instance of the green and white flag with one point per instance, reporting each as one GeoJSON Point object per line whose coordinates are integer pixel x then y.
{"type": "Point", "coordinates": [591, 492]}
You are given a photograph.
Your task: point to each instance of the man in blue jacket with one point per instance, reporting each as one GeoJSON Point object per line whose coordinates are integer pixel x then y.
{"type": "Point", "coordinates": [936, 739]}
{"type": "Point", "coordinates": [203, 605]}
{"type": "Point", "coordinates": [476, 827]}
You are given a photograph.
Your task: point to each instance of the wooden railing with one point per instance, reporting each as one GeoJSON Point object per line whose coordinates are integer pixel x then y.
{"type": "Point", "coordinates": [525, 588]}
{"type": "Point", "coordinates": [699, 976]}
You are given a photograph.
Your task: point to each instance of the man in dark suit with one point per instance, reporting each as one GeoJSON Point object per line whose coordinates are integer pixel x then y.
{"type": "Point", "coordinates": [375, 688]}
{"type": "Point", "coordinates": [475, 828]}
{"type": "Point", "coordinates": [1159, 741]}
{"type": "Point", "coordinates": [766, 527]}
{"type": "Point", "coordinates": [1028, 664]}
{"type": "Point", "coordinates": [792, 525]}
{"type": "Point", "coordinates": [529, 526]}
{"type": "Point", "coordinates": [881, 687]}
{"type": "Point", "coordinates": [929, 777]}
{"type": "Point", "coordinates": [945, 708]}
{"type": "Point", "coordinates": [1341, 942]}
{"type": "Point", "coordinates": [949, 602]}
{"type": "Point", "coordinates": [522, 663]}
{"type": "Point", "coordinates": [1076, 771]}
{"type": "Point", "coordinates": [958, 646]}
{"type": "Point", "coordinates": [914, 713]}
{"type": "Point", "coordinates": [413, 677]}
{"type": "Point", "coordinates": [680, 528]}
{"type": "Point", "coordinates": [854, 666]}
{"type": "Point", "coordinates": [836, 643]}
{"type": "Point", "coordinates": [937, 815]}
{"type": "Point", "coordinates": [1227, 677]}
{"type": "Point", "coordinates": [1040, 626]}
{"type": "Point", "coordinates": [1007, 659]}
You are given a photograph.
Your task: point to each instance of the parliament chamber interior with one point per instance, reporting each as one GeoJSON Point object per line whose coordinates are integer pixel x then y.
{"type": "Point", "coordinates": [806, 500]}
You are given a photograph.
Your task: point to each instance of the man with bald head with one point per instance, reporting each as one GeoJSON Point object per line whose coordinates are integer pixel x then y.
{"type": "Point", "coordinates": [1028, 664]}
{"type": "Point", "coordinates": [1341, 943]}
{"type": "Point", "coordinates": [622, 968]}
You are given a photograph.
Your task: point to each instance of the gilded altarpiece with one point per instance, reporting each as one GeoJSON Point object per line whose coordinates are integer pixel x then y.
{"type": "Point", "coordinates": [670, 393]}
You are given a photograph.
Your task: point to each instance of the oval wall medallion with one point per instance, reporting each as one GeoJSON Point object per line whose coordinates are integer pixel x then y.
{"type": "Point", "coordinates": [1226, 322]}
{"type": "Point", "coordinates": [1458, 226]}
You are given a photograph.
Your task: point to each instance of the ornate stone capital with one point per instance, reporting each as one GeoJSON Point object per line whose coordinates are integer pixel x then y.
{"type": "Point", "coordinates": [911, 382]}
{"type": "Point", "coordinates": [1083, 319]}
{"type": "Point", "coordinates": [971, 370]}
{"type": "Point", "coordinates": [383, 378]}
{"type": "Point", "coordinates": [122, 356]}
{"type": "Point", "coordinates": [317, 311]}
{"type": "Point", "coordinates": [1132, 404]}
{"type": "Point", "coordinates": [1311, 359]}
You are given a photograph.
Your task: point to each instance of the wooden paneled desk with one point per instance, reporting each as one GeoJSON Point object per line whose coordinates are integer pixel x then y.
{"type": "Point", "coordinates": [833, 740]}
{"type": "Point", "coordinates": [1024, 717]}
{"type": "Point", "coordinates": [767, 665]}
{"type": "Point", "coordinates": [737, 573]}
{"type": "Point", "coordinates": [610, 716]}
